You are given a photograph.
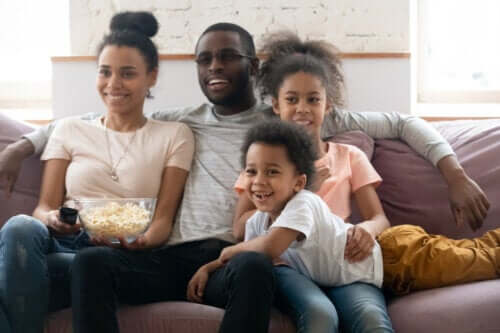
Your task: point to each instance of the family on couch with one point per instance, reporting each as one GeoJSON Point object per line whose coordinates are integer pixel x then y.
{"type": "Point", "coordinates": [160, 265]}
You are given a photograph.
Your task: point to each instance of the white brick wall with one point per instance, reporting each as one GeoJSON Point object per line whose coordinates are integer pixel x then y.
{"type": "Point", "coordinates": [353, 25]}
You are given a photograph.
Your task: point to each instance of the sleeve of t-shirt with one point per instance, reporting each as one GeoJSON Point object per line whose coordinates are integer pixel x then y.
{"type": "Point", "coordinates": [181, 152]}
{"type": "Point", "coordinates": [57, 147]}
{"type": "Point", "coordinates": [297, 215]}
{"type": "Point", "coordinates": [362, 171]}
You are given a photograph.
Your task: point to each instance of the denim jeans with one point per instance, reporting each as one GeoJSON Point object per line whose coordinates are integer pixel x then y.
{"type": "Point", "coordinates": [34, 273]}
{"type": "Point", "coordinates": [356, 307]}
{"type": "Point", "coordinates": [104, 277]}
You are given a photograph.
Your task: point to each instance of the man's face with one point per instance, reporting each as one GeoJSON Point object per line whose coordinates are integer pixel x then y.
{"type": "Point", "coordinates": [224, 74]}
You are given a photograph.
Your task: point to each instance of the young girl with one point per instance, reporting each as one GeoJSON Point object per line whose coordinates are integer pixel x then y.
{"type": "Point", "coordinates": [291, 224]}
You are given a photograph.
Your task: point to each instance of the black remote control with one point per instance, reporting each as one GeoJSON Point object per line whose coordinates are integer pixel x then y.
{"type": "Point", "coordinates": [68, 215]}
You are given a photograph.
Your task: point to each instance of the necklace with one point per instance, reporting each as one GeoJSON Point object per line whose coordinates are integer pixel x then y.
{"type": "Point", "coordinates": [113, 174]}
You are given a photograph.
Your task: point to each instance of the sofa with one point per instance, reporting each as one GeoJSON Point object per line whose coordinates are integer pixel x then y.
{"type": "Point", "coordinates": [412, 192]}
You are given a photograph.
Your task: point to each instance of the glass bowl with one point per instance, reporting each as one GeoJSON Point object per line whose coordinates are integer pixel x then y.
{"type": "Point", "coordinates": [114, 218]}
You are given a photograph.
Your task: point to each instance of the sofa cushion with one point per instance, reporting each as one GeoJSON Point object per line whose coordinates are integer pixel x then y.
{"type": "Point", "coordinates": [414, 192]}
{"type": "Point", "coordinates": [467, 308]}
{"type": "Point", "coordinates": [25, 195]}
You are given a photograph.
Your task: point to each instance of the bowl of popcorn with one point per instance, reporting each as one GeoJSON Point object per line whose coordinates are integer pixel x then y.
{"type": "Point", "coordinates": [112, 219]}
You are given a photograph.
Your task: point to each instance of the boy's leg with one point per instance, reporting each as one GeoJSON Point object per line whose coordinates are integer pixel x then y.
{"type": "Point", "coordinates": [361, 308]}
{"type": "Point", "coordinates": [415, 260]}
{"type": "Point", "coordinates": [305, 302]}
{"type": "Point", "coordinates": [245, 288]}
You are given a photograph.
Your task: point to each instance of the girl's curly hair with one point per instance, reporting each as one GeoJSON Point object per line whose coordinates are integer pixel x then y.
{"type": "Point", "coordinates": [287, 54]}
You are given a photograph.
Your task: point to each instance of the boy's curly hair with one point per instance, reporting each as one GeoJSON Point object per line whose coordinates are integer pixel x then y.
{"type": "Point", "coordinates": [297, 142]}
{"type": "Point", "coordinates": [287, 54]}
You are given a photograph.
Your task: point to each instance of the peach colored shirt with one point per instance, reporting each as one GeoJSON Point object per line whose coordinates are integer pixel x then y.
{"type": "Point", "coordinates": [350, 170]}
{"type": "Point", "coordinates": [156, 145]}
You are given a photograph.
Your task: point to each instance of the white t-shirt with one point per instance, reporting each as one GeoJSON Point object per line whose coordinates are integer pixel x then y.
{"type": "Point", "coordinates": [320, 255]}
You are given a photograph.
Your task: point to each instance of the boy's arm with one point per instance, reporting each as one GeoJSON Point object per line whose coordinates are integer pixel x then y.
{"type": "Point", "coordinates": [467, 200]}
{"type": "Point", "coordinates": [244, 210]}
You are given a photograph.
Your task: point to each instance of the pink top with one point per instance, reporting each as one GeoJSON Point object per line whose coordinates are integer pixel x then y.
{"type": "Point", "coordinates": [351, 170]}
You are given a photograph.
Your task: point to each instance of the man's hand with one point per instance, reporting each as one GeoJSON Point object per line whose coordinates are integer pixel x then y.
{"type": "Point", "coordinates": [468, 202]}
{"type": "Point", "coordinates": [11, 160]}
{"type": "Point", "coordinates": [359, 244]}
{"type": "Point", "coordinates": [196, 286]}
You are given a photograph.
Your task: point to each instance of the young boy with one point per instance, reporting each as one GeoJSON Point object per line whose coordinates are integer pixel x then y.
{"type": "Point", "coordinates": [292, 225]}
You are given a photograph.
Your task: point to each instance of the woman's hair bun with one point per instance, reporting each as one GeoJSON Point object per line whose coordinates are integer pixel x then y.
{"type": "Point", "coordinates": [142, 22]}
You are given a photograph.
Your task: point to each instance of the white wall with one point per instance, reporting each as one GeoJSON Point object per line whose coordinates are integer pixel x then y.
{"type": "Point", "coordinates": [352, 25]}
{"type": "Point", "coordinates": [372, 85]}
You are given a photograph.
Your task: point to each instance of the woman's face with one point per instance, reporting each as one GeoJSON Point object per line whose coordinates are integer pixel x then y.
{"type": "Point", "coordinates": [123, 80]}
{"type": "Point", "coordinates": [302, 100]}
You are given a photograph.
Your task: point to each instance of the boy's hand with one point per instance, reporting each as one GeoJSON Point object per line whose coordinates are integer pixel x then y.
{"type": "Point", "coordinates": [196, 285]}
{"type": "Point", "coordinates": [227, 253]}
{"type": "Point", "coordinates": [359, 244]}
{"type": "Point", "coordinates": [322, 173]}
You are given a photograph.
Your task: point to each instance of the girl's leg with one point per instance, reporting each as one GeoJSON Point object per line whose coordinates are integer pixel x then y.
{"type": "Point", "coordinates": [415, 260]}
{"type": "Point", "coordinates": [361, 308]}
{"type": "Point", "coordinates": [305, 302]}
{"type": "Point", "coordinates": [24, 279]}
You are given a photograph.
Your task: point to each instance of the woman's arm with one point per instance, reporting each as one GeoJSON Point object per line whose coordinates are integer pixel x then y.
{"type": "Point", "coordinates": [52, 196]}
{"type": "Point", "coordinates": [169, 198]}
{"type": "Point", "coordinates": [361, 238]}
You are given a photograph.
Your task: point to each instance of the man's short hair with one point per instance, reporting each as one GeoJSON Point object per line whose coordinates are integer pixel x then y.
{"type": "Point", "coordinates": [245, 37]}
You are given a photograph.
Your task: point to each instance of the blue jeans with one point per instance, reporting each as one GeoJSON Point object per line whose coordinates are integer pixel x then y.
{"type": "Point", "coordinates": [34, 273]}
{"type": "Point", "coordinates": [357, 307]}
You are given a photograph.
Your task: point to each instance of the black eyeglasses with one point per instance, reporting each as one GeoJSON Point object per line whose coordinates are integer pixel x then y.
{"type": "Point", "coordinates": [223, 56]}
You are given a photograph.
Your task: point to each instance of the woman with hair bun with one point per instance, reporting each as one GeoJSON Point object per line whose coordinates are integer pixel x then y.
{"type": "Point", "coordinates": [118, 155]}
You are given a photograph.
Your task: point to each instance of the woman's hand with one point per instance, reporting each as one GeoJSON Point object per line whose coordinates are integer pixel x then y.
{"type": "Point", "coordinates": [54, 223]}
{"type": "Point", "coordinates": [359, 244]}
{"type": "Point", "coordinates": [197, 284]}
{"type": "Point", "coordinates": [468, 202]}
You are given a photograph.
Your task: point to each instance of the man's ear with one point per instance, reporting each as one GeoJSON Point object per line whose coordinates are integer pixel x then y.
{"type": "Point", "coordinates": [300, 183]}
{"type": "Point", "coordinates": [276, 105]}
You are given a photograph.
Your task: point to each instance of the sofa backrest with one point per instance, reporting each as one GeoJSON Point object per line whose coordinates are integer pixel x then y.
{"type": "Point", "coordinates": [25, 195]}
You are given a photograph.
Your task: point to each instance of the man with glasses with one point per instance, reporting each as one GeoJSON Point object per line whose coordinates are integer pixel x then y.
{"type": "Point", "coordinates": [227, 65]}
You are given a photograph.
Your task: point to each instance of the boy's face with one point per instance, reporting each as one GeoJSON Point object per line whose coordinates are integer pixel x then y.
{"type": "Point", "coordinates": [271, 179]}
{"type": "Point", "coordinates": [302, 100]}
{"type": "Point", "coordinates": [224, 79]}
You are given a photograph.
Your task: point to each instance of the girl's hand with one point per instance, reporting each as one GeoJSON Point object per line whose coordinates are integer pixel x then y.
{"type": "Point", "coordinates": [54, 223]}
{"type": "Point", "coordinates": [322, 173]}
{"type": "Point", "coordinates": [359, 244]}
{"type": "Point", "coordinates": [196, 285]}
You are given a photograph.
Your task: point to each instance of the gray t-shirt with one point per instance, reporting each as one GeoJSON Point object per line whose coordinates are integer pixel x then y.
{"type": "Point", "coordinates": [208, 204]}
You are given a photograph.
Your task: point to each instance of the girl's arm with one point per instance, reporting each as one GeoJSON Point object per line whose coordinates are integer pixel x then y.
{"type": "Point", "coordinates": [273, 244]}
{"type": "Point", "coordinates": [244, 210]}
{"type": "Point", "coordinates": [169, 198]}
{"type": "Point", "coordinates": [52, 196]}
{"type": "Point", "coordinates": [361, 238]}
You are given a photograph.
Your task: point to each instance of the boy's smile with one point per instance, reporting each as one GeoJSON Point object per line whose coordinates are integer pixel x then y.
{"type": "Point", "coordinates": [271, 179]}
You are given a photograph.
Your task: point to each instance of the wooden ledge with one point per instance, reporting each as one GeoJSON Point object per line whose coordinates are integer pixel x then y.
{"type": "Point", "coordinates": [403, 55]}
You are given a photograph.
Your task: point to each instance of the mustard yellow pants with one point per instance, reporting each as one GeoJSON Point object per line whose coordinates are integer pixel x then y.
{"type": "Point", "coordinates": [415, 260]}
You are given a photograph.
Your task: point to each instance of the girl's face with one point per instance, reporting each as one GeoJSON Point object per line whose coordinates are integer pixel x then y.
{"type": "Point", "coordinates": [302, 100]}
{"type": "Point", "coordinates": [271, 179]}
{"type": "Point", "coordinates": [123, 80]}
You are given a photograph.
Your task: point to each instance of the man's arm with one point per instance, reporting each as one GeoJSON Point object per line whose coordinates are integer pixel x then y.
{"type": "Point", "coordinates": [467, 201]}
{"type": "Point", "coordinates": [12, 157]}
